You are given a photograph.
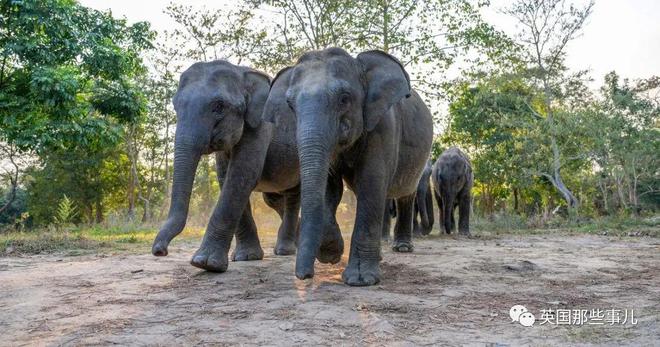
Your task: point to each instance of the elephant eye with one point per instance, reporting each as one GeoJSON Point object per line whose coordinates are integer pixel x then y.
{"type": "Point", "coordinates": [344, 99]}
{"type": "Point", "coordinates": [218, 107]}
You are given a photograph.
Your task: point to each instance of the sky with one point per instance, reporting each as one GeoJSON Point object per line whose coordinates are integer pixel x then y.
{"type": "Point", "coordinates": [621, 35]}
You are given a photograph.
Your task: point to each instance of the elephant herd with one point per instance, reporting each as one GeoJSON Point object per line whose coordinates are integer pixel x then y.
{"type": "Point", "coordinates": [452, 180]}
{"type": "Point", "coordinates": [329, 120]}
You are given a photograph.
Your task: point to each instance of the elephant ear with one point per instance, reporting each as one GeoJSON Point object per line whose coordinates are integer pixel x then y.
{"type": "Point", "coordinates": [386, 83]}
{"type": "Point", "coordinates": [256, 92]}
{"type": "Point", "coordinates": [276, 102]}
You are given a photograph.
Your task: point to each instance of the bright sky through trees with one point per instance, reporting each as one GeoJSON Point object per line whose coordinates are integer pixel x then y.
{"type": "Point", "coordinates": [620, 35]}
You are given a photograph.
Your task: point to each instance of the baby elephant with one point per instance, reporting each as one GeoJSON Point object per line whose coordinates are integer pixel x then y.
{"type": "Point", "coordinates": [452, 182]}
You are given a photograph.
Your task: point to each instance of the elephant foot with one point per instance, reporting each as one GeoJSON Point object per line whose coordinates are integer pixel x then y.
{"type": "Point", "coordinates": [403, 246]}
{"type": "Point", "coordinates": [384, 239]}
{"type": "Point", "coordinates": [159, 248]}
{"type": "Point", "coordinates": [464, 233]}
{"type": "Point", "coordinates": [332, 246]}
{"type": "Point", "coordinates": [362, 273]}
{"type": "Point", "coordinates": [210, 257]}
{"type": "Point", "coordinates": [285, 248]}
{"type": "Point", "coordinates": [245, 252]}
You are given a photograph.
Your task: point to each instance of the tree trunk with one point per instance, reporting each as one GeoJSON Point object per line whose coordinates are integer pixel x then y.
{"type": "Point", "coordinates": [13, 179]}
{"type": "Point", "coordinates": [603, 190]}
{"type": "Point", "coordinates": [619, 189]}
{"type": "Point", "coordinates": [99, 210]}
{"type": "Point", "coordinates": [131, 198]}
{"type": "Point", "coordinates": [12, 195]}
{"type": "Point", "coordinates": [166, 153]}
{"type": "Point", "coordinates": [515, 199]}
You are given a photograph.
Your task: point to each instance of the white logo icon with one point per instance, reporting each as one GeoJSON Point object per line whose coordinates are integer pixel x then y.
{"type": "Point", "coordinates": [519, 313]}
{"type": "Point", "coordinates": [516, 311]}
{"type": "Point", "coordinates": [527, 319]}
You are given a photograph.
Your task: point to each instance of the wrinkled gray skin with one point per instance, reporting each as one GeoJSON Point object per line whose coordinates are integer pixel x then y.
{"type": "Point", "coordinates": [423, 207]}
{"type": "Point", "coordinates": [452, 183]}
{"type": "Point", "coordinates": [357, 119]}
{"type": "Point", "coordinates": [219, 110]}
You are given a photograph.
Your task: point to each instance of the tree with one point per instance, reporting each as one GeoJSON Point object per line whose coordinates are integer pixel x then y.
{"type": "Point", "coordinates": [11, 172]}
{"type": "Point", "coordinates": [65, 68]}
{"type": "Point", "coordinates": [547, 27]}
{"type": "Point", "coordinates": [625, 141]}
{"type": "Point", "coordinates": [427, 36]}
{"type": "Point", "coordinates": [67, 81]}
{"type": "Point", "coordinates": [491, 119]}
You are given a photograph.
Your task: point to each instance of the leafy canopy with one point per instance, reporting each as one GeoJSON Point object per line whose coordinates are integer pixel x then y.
{"type": "Point", "coordinates": [67, 74]}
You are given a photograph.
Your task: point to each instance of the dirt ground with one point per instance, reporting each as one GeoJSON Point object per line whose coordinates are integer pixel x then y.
{"type": "Point", "coordinates": [450, 291]}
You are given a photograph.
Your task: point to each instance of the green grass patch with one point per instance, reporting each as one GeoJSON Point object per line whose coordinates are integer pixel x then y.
{"type": "Point", "coordinates": [605, 226]}
{"type": "Point", "coordinates": [46, 242]}
{"type": "Point", "coordinates": [84, 240]}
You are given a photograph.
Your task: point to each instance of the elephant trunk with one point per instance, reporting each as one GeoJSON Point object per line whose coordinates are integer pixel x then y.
{"type": "Point", "coordinates": [314, 150]}
{"type": "Point", "coordinates": [448, 213]}
{"type": "Point", "coordinates": [186, 158]}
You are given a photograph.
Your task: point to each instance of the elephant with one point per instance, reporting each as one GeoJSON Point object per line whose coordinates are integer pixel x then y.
{"type": "Point", "coordinates": [357, 119]}
{"type": "Point", "coordinates": [424, 203]}
{"type": "Point", "coordinates": [423, 207]}
{"type": "Point", "coordinates": [219, 110]}
{"type": "Point", "coordinates": [452, 181]}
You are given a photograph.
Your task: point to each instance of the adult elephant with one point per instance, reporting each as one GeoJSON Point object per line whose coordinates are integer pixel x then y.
{"type": "Point", "coordinates": [452, 181]}
{"type": "Point", "coordinates": [219, 110]}
{"type": "Point", "coordinates": [357, 119]}
{"type": "Point", "coordinates": [424, 203]}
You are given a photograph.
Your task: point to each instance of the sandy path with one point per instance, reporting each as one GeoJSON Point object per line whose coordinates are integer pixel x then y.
{"type": "Point", "coordinates": [450, 291]}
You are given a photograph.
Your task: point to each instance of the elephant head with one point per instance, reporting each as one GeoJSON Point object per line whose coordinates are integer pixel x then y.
{"type": "Point", "coordinates": [214, 102]}
{"type": "Point", "coordinates": [337, 99]}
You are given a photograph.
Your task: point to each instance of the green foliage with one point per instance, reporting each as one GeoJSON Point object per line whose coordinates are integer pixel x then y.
{"type": "Point", "coordinates": [68, 86]}
{"type": "Point", "coordinates": [18, 207]}
{"type": "Point", "coordinates": [609, 146]}
{"type": "Point", "coordinates": [64, 69]}
{"type": "Point", "coordinates": [625, 143]}
{"type": "Point", "coordinates": [66, 212]}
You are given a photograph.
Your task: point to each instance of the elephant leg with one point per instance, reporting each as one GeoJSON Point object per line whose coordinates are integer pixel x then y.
{"type": "Point", "coordinates": [441, 209]}
{"type": "Point", "coordinates": [453, 221]}
{"type": "Point", "coordinates": [241, 178]}
{"type": "Point", "coordinates": [332, 244]}
{"type": "Point", "coordinates": [417, 230]}
{"type": "Point", "coordinates": [363, 267]}
{"type": "Point", "coordinates": [464, 214]}
{"type": "Point", "coordinates": [276, 202]}
{"type": "Point", "coordinates": [283, 245]}
{"type": "Point", "coordinates": [287, 233]}
{"type": "Point", "coordinates": [428, 198]}
{"type": "Point", "coordinates": [247, 239]}
{"type": "Point", "coordinates": [387, 221]}
{"type": "Point", "coordinates": [403, 227]}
